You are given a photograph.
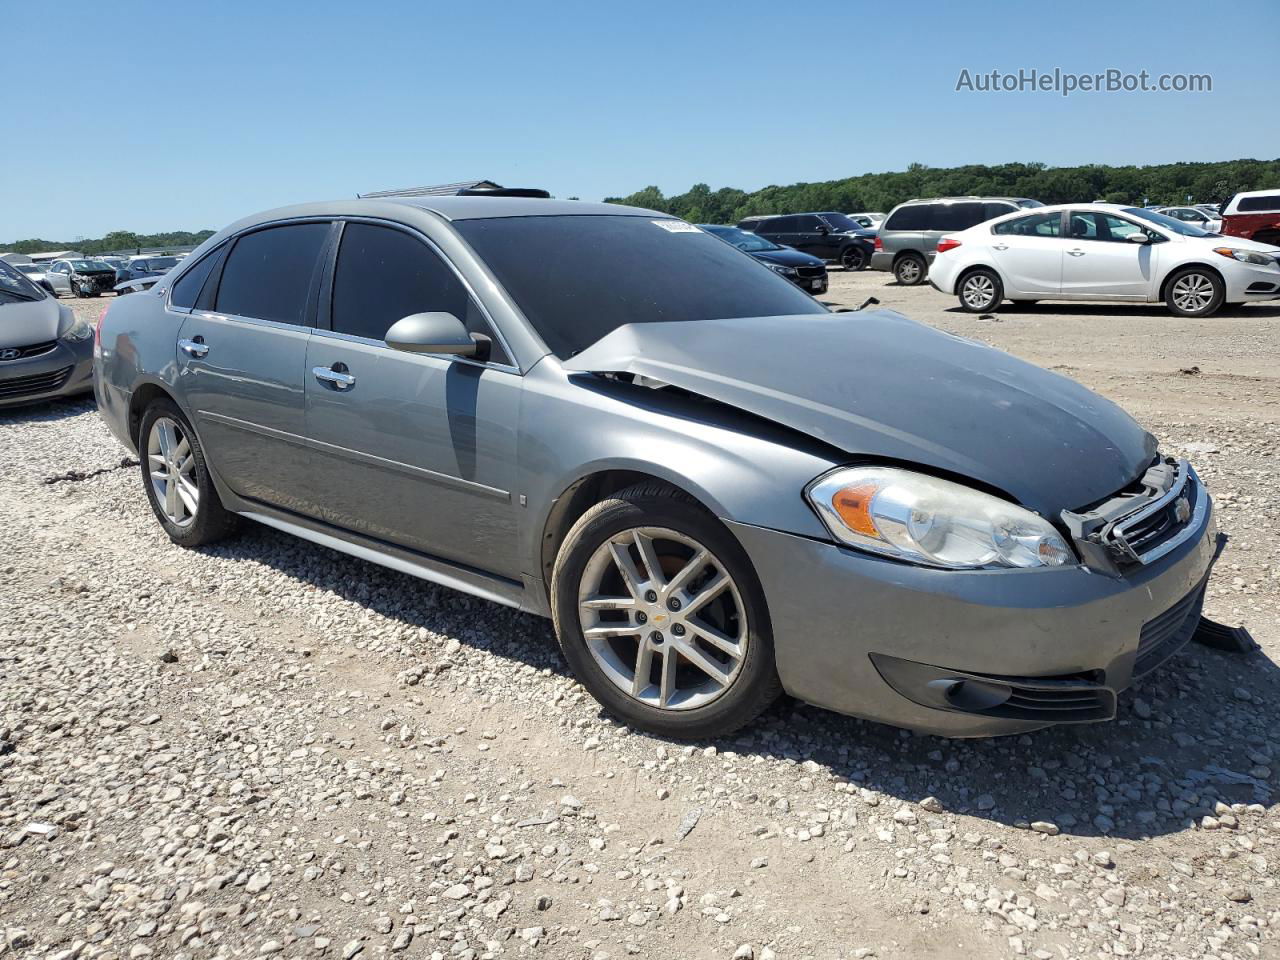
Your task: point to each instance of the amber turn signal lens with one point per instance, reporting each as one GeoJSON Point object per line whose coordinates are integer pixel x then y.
{"type": "Point", "coordinates": [853, 504]}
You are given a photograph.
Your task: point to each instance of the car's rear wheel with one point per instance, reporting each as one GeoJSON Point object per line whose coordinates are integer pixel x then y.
{"type": "Point", "coordinates": [980, 290]}
{"type": "Point", "coordinates": [910, 269]}
{"type": "Point", "coordinates": [661, 616]}
{"type": "Point", "coordinates": [177, 479]}
{"type": "Point", "coordinates": [853, 258]}
{"type": "Point", "coordinates": [1194, 292]}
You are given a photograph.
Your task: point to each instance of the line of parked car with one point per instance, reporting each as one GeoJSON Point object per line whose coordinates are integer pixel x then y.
{"type": "Point", "coordinates": [1194, 258]}
{"type": "Point", "coordinates": [93, 276]}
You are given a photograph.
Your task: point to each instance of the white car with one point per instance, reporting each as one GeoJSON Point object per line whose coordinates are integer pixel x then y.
{"type": "Point", "coordinates": [1102, 251]}
{"type": "Point", "coordinates": [1196, 216]}
{"type": "Point", "coordinates": [868, 221]}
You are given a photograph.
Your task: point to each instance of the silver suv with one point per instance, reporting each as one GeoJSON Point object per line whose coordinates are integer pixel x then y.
{"type": "Point", "coordinates": [909, 237]}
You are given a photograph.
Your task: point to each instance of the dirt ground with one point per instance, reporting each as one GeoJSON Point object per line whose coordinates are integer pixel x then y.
{"type": "Point", "coordinates": [264, 748]}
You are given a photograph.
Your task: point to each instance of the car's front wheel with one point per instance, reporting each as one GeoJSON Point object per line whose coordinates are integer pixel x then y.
{"type": "Point", "coordinates": [177, 479]}
{"type": "Point", "coordinates": [910, 270]}
{"type": "Point", "coordinates": [853, 258]}
{"type": "Point", "coordinates": [661, 616]}
{"type": "Point", "coordinates": [981, 290]}
{"type": "Point", "coordinates": [1194, 292]}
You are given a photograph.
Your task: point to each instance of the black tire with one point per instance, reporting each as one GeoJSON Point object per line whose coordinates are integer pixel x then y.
{"type": "Point", "coordinates": [980, 291]}
{"type": "Point", "coordinates": [756, 685]}
{"type": "Point", "coordinates": [853, 259]}
{"type": "Point", "coordinates": [212, 521]}
{"type": "Point", "coordinates": [1194, 292]}
{"type": "Point", "coordinates": [910, 269]}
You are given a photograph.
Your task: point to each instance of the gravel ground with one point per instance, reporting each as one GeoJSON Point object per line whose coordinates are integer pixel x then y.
{"type": "Point", "coordinates": [266, 748]}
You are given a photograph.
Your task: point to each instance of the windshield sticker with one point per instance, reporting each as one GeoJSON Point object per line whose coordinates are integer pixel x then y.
{"type": "Point", "coordinates": [675, 226]}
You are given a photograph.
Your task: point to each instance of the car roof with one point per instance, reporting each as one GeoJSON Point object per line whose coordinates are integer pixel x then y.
{"type": "Point", "coordinates": [955, 199]}
{"type": "Point", "coordinates": [448, 208]}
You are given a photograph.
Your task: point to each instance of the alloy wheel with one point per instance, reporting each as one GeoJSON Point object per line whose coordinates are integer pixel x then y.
{"type": "Point", "coordinates": [909, 271]}
{"type": "Point", "coordinates": [171, 464]}
{"type": "Point", "coordinates": [978, 291]}
{"type": "Point", "coordinates": [662, 618]}
{"type": "Point", "coordinates": [853, 259]}
{"type": "Point", "coordinates": [1193, 292]}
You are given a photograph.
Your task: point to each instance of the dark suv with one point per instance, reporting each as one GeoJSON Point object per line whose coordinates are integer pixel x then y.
{"type": "Point", "coordinates": [908, 238]}
{"type": "Point", "coordinates": [831, 236]}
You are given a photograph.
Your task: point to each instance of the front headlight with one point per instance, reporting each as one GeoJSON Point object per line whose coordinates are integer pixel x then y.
{"type": "Point", "coordinates": [80, 330]}
{"type": "Point", "coordinates": [1246, 256]}
{"type": "Point", "coordinates": [921, 519]}
{"type": "Point", "coordinates": [779, 268]}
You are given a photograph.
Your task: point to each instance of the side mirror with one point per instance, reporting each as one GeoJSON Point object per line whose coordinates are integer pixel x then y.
{"type": "Point", "coordinates": [1138, 237]}
{"type": "Point", "coordinates": [824, 230]}
{"type": "Point", "coordinates": [433, 333]}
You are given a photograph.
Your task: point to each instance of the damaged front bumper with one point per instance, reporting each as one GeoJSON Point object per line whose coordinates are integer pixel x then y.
{"type": "Point", "coordinates": [974, 652]}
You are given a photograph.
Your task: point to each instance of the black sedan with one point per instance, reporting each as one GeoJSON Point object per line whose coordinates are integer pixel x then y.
{"type": "Point", "coordinates": [806, 272]}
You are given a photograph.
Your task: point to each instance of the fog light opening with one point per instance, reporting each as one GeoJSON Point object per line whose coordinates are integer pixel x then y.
{"type": "Point", "coordinates": [971, 695]}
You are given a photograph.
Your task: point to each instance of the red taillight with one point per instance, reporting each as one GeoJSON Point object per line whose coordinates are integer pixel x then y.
{"type": "Point", "coordinates": [947, 243]}
{"type": "Point", "coordinates": [97, 328]}
{"type": "Point", "coordinates": [879, 244]}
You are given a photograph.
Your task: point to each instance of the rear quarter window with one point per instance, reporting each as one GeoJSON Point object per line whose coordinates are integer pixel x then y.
{"type": "Point", "coordinates": [913, 217]}
{"type": "Point", "coordinates": [1266, 204]}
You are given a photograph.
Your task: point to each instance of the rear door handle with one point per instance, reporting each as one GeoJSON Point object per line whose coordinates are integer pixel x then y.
{"type": "Point", "coordinates": [1000, 246]}
{"type": "Point", "coordinates": [338, 379]}
{"type": "Point", "coordinates": [1075, 253]}
{"type": "Point", "coordinates": [194, 348]}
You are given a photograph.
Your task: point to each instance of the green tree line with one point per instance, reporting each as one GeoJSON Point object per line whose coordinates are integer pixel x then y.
{"type": "Point", "coordinates": [1167, 183]}
{"type": "Point", "coordinates": [115, 241]}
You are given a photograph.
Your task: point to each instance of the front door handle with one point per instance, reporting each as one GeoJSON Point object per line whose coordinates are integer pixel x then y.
{"type": "Point", "coordinates": [338, 379]}
{"type": "Point", "coordinates": [1000, 246]}
{"type": "Point", "coordinates": [1075, 253]}
{"type": "Point", "coordinates": [194, 348]}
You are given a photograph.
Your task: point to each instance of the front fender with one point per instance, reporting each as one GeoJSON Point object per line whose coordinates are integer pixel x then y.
{"type": "Point", "coordinates": [739, 467]}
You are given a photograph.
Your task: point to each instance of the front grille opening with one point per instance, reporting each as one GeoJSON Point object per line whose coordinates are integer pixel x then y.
{"type": "Point", "coordinates": [15, 387]}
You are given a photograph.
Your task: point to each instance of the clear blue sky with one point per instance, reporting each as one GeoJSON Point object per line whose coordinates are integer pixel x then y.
{"type": "Point", "coordinates": [186, 115]}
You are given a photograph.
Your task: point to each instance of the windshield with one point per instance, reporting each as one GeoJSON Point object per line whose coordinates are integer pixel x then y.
{"type": "Point", "coordinates": [839, 222]}
{"type": "Point", "coordinates": [162, 263]}
{"type": "Point", "coordinates": [15, 288]}
{"type": "Point", "coordinates": [579, 278]}
{"type": "Point", "coordinates": [1168, 223]}
{"type": "Point", "coordinates": [742, 239]}
{"type": "Point", "coordinates": [87, 266]}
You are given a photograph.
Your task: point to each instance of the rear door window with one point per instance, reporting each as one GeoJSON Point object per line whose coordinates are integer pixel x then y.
{"type": "Point", "coordinates": [1036, 225]}
{"type": "Point", "coordinates": [384, 275]}
{"type": "Point", "coordinates": [270, 273]}
{"type": "Point", "coordinates": [778, 225]}
{"type": "Point", "coordinates": [956, 216]}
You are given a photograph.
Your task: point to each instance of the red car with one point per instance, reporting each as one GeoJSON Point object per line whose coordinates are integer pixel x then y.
{"type": "Point", "coordinates": [1254, 215]}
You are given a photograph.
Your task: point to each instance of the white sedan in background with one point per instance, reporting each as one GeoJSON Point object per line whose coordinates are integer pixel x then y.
{"type": "Point", "coordinates": [1103, 251]}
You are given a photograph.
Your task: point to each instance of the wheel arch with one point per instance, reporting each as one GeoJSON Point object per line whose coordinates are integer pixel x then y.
{"type": "Point", "coordinates": [142, 397]}
{"type": "Point", "coordinates": [974, 267]}
{"type": "Point", "coordinates": [1182, 268]}
{"type": "Point", "coordinates": [593, 487]}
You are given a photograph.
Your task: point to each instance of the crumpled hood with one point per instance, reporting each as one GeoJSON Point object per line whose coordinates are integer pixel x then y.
{"type": "Point", "coordinates": [878, 384]}
{"type": "Point", "coordinates": [23, 323]}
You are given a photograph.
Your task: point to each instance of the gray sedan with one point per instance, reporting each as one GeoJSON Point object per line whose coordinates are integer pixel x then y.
{"type": "Point", "coordinates": [717, 489]}
{"type": "Point", "coordinates": [45, 352]}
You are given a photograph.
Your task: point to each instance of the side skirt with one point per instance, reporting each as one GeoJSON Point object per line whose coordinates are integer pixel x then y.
{"type": "Point", "coordinates": [496, 589]}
